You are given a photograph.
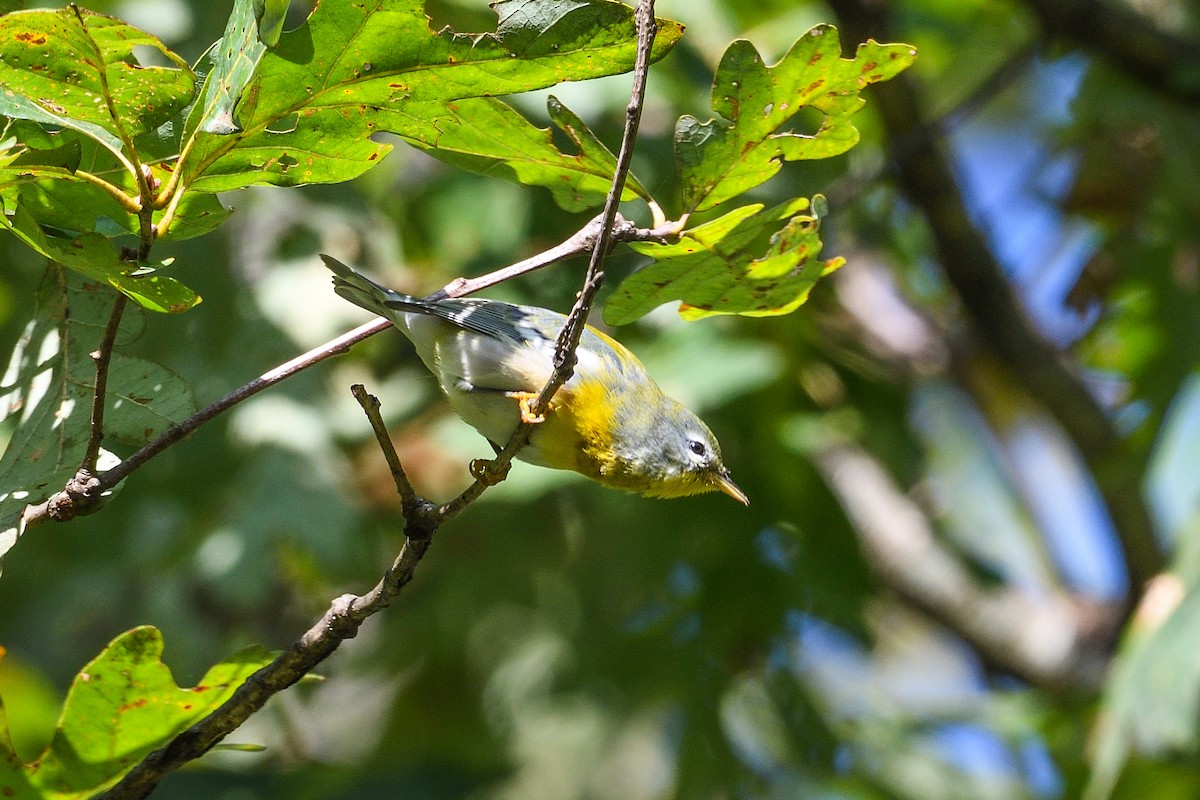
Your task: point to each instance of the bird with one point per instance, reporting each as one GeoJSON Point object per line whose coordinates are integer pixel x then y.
{"type": "Point", "coordinates": [609, 422]}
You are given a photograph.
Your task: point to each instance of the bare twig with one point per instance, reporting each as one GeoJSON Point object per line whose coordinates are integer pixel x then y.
{"type": "Point", "coordinates": [340, 622]}
{"type": "Point", "coordinates": [103, 357]}
{"type": "Point", "coordinates": [582, 241]}
{"type": "Point", "coordinates": [404, 487]}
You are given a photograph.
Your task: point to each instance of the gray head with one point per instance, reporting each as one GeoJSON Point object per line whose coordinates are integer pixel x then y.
{"type": "Point", "coordinates": [678, 451]}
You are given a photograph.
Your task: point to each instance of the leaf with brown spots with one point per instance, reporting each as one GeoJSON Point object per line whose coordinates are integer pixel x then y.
{"type": "Point", "coordinates": [751, 262]}
{"type": "Point", "coordinates": [92, 255]}
{"type": "Point", "coordinates": [355, 69]}
{"type": "Point", "coordinates": [121, 706]}
{"type": "Point", "coordinates": [721, 159]}
{"type": "Point", "coordinates": [76, 69]}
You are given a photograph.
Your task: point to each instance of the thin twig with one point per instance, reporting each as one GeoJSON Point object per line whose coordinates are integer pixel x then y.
{"type": "Point", "coordinates": [340, 622]}
{"type": "Point", "coordinates": [102, 356]}
{"type": "Point", "coordinates": [582, 241]}
{"type": "Point", "coordinates": [370, 406]}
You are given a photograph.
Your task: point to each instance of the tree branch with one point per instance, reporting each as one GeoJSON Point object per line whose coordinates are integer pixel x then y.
{"type": "Point", "coordinates": [582, 241]}
{"type": "Point", "coordinates": [1051, 640]}
{"type": "Point", "coordinates": [1127, 39]}
{"type": "Point", "coordinates": [41, 512]}
{"type": "Point", "coordinates": [340, 622]}
{"type": "Point", "coordinates": [996, 312]}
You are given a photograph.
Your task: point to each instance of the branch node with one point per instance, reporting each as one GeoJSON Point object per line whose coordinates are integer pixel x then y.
{"type": "Point", "coordinates": [79, 497]}
{"type": "Point", "coordinates": [340, 620]}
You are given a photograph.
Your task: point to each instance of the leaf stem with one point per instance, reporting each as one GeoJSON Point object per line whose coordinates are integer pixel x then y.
{"type": "Point", "coordinates": [141, 173]}
{"type": "Point", "coordinates": [167, 195]}
{"type": "Point", "coordinates": [130, 204]}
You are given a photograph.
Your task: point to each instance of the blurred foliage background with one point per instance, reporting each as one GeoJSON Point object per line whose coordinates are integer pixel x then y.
{"type": "Point", "coordinates": [969, 565]}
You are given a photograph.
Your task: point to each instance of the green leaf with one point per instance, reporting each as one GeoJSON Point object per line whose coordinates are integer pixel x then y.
{"type": "Point", "coordinates": [488, 137]}
{"type": "Point", "coordinates": [356, 68]}
{"type": "Point", "coordinates": [92, 255]}
{"type": "Point", "coordinates": [120, 707]}
{"type": "Point", "coordinates": [76, 69]}
{"type": "Point", "coordinates": [271, 15]}
{"type": "Point", "coordinates": [719, 160]}
{"type": "Point", "coordinates": [725, 267]}
{"type": "Point", "coordinates": [1152, 700]}
{"type": "Point", "coordinates": [49, 385]}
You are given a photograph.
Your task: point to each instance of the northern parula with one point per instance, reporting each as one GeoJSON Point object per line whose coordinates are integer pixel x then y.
{"type": "Point", "coordinates": [610, 422]}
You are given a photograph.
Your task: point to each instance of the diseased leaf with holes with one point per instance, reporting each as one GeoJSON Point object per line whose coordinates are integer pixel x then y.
{"type": "Point", "coordinates": [745, 262]}
{"type": "Point", "coordinates": [49, 385]}
{"type": "Point", "coordinates": [355, 68]}
{"type": "Point", "coordinates": [488, 137]}
{"type": "Point", "coordinates": [121, 706]}
{"type": "Point", "coordinates": [92, 255]}
{"type": "Point", "coordinates": [233, 60]}
{"type": "Point", "coordinates": [721, 159]}
{"type": "Point", "coordinates": [75, 69]}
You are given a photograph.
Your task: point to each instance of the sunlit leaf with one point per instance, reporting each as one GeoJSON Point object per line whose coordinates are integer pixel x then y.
{"type": "Point", "coordinates": [76, 69]}
{"type": "Point", "coordinates": [488, 137]}
{"type": "Point", "coordinates": [721, 159]}
{"type": "Point", "coordinates": [120, 706]}
{"type": "Point", "coordinates": [233, 58]}
{"type": "Point", "coordinates": [750, 262]}
{"type": "Point", "coordinates": [271, 15]}
{"type": "Point", "coordinates": [357, 68]}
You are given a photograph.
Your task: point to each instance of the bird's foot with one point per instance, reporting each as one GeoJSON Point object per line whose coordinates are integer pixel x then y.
{"type": "Point", "coordinates": [525, 402]}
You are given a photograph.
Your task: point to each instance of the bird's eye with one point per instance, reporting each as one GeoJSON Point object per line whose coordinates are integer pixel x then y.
{"type": "Point", "coordinates": [697, 447]}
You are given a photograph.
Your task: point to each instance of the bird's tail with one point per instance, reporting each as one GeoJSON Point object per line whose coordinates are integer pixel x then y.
{"type": "Point", "coordinates": [362, 291]}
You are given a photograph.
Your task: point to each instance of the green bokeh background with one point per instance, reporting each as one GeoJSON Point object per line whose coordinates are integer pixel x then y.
{"type": "Point", "coordinates": [564, 641]}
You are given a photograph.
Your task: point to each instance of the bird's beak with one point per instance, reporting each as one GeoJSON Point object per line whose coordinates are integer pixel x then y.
{"type": "Point", "coordinates": [723, 482]}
